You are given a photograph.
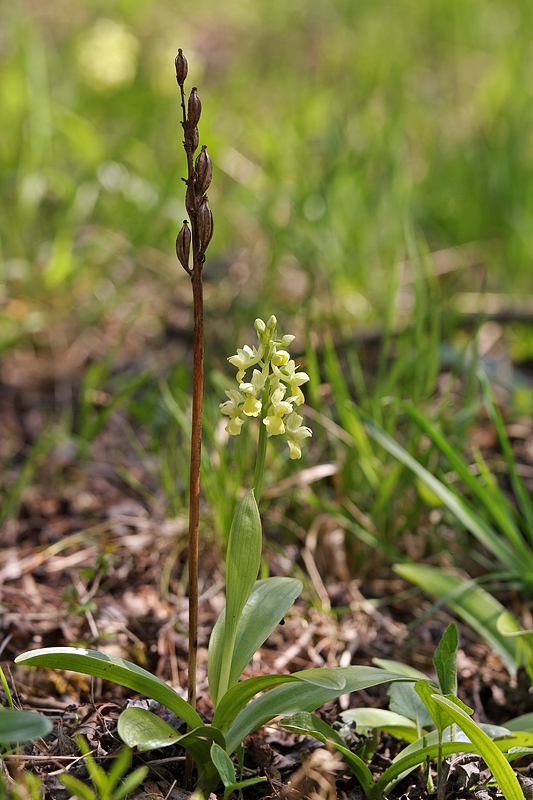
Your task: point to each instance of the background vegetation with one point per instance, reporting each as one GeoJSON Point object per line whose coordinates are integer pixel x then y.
{"type": "Point", "coordinates": [373, 173]}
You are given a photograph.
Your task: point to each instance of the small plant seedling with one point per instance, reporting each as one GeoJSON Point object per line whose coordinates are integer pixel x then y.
{"type": "Point", "coordinates": [107, 785]}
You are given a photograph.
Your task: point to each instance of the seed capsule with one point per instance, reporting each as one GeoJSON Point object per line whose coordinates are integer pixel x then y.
{"type": "Point", "coordinates": [204, 172]}
{"type": "Point", "coordinates": [190, 198]}
{"type": "Point", "coordinates": [194, 108]}
{"type": "Point", "coordinates": [183, 246]}
{"type": "Point", "coordinates": [205, 224]}
{"type": "Point", "coordinates": [182, 67]}
{"type": "Point", "coordinates": [195, 138]}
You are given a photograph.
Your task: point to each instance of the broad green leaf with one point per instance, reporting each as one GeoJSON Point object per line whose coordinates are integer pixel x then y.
{"type": "Point", "coordinates": [467, 515]}
{"type": "Point", "coordinates": [371, 719]}
{"type": "Point", "coordinates": [114, 669]}
{"type": "Point", "coordinates": [268, 603]}
{"type": "Point", "coordinates": [309, 725]}
{"type": "Point", "coordinates": [509, 627]}
{"type": "Point", "coordinates": [243, 560]}
{"type": "Point", "coordinates": [22, 726]}
{"type": "Point", "coordinates": [491, 754]}
{"type": "Point", "coordinates": [474, 605]}
{"type": "Point", "coordinates": [406, 702]}
{"type": "Point", "coordinates": [139, 728]}
{"type": "Point", "coordinates": [238, 696]}
{"type": "Point", "coordinates": [521, 723]}
{"type": "Point", "coordinates": [445, 660]}
{"type": "Point", "coordinates": [302, 696]}
{"type": "Point", "coordinates": [400, 668]}
{"type": "Point", "coordinates": [519, 739]}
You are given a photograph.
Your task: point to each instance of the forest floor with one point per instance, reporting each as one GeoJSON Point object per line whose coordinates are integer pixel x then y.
{"type": "Point", "coordinates": [86, 562]}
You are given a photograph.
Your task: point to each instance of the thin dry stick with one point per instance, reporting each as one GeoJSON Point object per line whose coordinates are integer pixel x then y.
{"type": "Point", "coordinates": [198, 179]}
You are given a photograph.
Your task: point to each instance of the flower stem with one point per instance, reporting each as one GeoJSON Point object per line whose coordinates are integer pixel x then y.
{"type": "Point", "coordinates": [261, 447]}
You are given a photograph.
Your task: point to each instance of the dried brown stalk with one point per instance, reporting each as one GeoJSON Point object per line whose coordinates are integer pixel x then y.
{"type": "Point", "coordinates": [198, 179]}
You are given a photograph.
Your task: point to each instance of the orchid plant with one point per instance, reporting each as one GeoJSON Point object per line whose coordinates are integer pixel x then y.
{"type": "Point", "coordinates": [253, 607]}
{"type": "Point", "coordinates": [269, 388]}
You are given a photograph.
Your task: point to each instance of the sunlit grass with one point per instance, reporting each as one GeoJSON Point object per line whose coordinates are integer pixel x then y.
{"type": "Point", "coordinates": [346, 138]}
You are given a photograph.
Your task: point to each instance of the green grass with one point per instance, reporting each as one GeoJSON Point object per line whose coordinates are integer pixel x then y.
{"type": "Point", "coordinates": [346, 137]}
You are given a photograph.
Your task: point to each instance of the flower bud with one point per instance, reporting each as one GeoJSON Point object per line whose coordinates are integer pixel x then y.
{"type": "Point", "coordinates": [205, 224]}
{"type": "Point", "coordinates": [260, 326]}
{"type": "Point", "coordinates": [204, 171]}
{"type": "Point", "coordinates": [194, 108]}
{"type": "Point", "coordinates": [286, 340]}
{"type": "Point", "coordinates": [272, 322]}
{"type": "Point", "coordinates": [183, 246]}
{"type": "Point", "coordinates": [181, 67]}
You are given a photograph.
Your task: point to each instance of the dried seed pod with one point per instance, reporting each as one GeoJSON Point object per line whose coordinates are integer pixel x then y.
{"type": "Point", "coordinates": [204, 172]}
{"type": "Point", "coordinates": [182, 67]}
{"type": "Point", "coordinates": [194, 108]}
{"type": "Point", "coordinates": [190, 198]}
{"type": "Point", "coordinates": [194, 138]}
{"type": "Point", "coordinates": [205, 224]}
{"type": "Point", "coordinates": [183, 246]}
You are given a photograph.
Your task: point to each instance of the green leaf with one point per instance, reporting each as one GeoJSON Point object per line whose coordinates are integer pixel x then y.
{"type": "Point", "coordinates": [408, 703]}
{"type": "Point", "coordinates": [119, 766]}
{"type": "Point", "coordinates": [22, 726]}
{"type": "Point", "coordinates": [521, 723]}
{"type": "Point", "coordinates": [268, 603]}
{"type": "Point", "coordinates": [226, 770]}
{"type": "Point", "coordinates": [445, 660]}
{"type": "Point", "coordinates": [224, 764]}
{"type": "Point", "coordinates": [114, 669]}
{"type": "Point", "coordinates": [439, 716]}
{"type": "Point", "coordinates": [302, 696]}
{"type": "Point", "coordinates": [491, 754]}
{"type": "Point", "coordinates": [238, 696]}
{"type": "Point", "coordinates": [139, 728]}
{"type": "Point", "coordinates": [399, 667]}
{"type": "Point", "coordinates": [474, 605]}
{"type": "Point", "coordinates": [76, 787]}
{"type": "Point", "coordinates": [381, 719]}
{"type": "Point", "coordinates": [308, 725]}
{"type": "Point", "coordinates": [509, 627]}
{"type": "Point", "coordinates": [130, 783]}
{"type": "Point", "coordinates": [242, 565]}
{"type": "Point", "coordinates": [427, 747]}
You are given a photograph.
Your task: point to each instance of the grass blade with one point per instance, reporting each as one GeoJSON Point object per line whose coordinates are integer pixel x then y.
{"type": "Point", "coordinates": [459, 508]}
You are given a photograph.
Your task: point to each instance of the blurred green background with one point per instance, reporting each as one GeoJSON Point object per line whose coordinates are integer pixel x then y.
{"type": "Point", "coordinates": [372, 188]}
{"type": "Point", "coordinates": [330, 124]}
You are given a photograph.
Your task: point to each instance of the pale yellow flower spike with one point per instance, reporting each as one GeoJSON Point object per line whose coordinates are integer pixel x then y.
{"type": "Point", "coordinates": [277, 372]}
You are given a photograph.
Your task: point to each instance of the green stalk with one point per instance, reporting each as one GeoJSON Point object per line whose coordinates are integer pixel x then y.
{"type": "Point", "coordinates": [261, 446]}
